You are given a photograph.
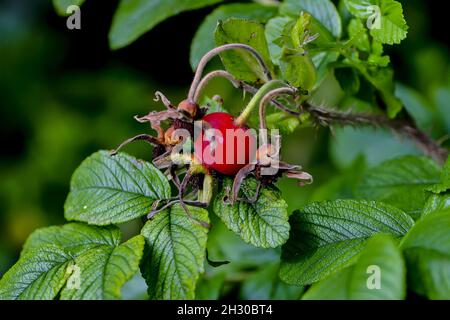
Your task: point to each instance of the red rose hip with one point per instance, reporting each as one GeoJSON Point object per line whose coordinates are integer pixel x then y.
{"type": "Point", "coordinates": [224, 146]}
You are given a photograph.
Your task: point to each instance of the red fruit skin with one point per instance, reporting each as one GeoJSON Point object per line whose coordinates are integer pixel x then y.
{"type": "Point", "coordinates": [244, 145]}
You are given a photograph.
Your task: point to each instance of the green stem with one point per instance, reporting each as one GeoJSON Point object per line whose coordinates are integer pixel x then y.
{"type": "Point", "coordinates": [256, 99]}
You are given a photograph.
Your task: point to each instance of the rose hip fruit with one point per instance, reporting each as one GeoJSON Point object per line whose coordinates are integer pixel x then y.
{"type": "Point", "coordinates": [224, 146]}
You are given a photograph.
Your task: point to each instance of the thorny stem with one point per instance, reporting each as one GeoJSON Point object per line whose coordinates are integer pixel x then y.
{"type": "Point", "coordinates": [404, 127]}
{"type": "Point", "coordinates": [209, 55]}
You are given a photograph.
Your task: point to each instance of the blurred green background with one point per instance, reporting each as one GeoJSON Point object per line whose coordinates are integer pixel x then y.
{"type": "Point", "coordinates": [64, 95]}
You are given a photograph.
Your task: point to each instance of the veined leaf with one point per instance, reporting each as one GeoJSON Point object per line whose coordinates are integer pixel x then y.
{"type": "Point", "coordinates": [393, 27]}
{"type": "Point", "coordinates": [104, 270]}
{"type": "Point", "coordinates": [175, 252]}
{"type": "Point", "coordinates": [401, 182]}
{"type": "Point", "coordinates": [204, 37]}
{"type": "Point", "coordinates": [263, 223]}
{"type": "Point", "coordinates": [323, 10]}
{"type": "Point", "coordinates": [80, 261]}
{"type": "Point", "coordinates": [426, 248]}
{"type": "Point", "coordinates": [37, 275]}
{"type": "Point", "coordinates": [135, 17]}
{"type": "Point", "coordinates": [378, 274]}
{"type": "Point", "coordinates": [328, 236]}
{"type": "Point", "coordinates": [73, 237]}
{"type": "Point", "coordinates": [436, 202]}
{"type": "Point", "coordinates": [239, 62]}
{"type": "Point", "coordinates": [109, 189]}
{"type": "Point", "coordinates": [444, 184]}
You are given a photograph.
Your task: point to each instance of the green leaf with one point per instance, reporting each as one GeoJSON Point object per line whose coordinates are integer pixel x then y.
{"type": "Point", "coordinates": [383, 81]}
{"type": "Point", "coordinates": [380, 257]}
{"type": "Point", "coordinates": [105, 269]}
{"type": "Point", "coordinates": [426, 248]}
{"type": "Point", "coordinates": [265, 284]}
{"type": "Point", "coordinates": [323, 10]}
{"type": "Point", "coordinates": [444, 184]}
{"type": "Point", "coordinates": [392, 28]}
{"type": "Point", "coordinates": [417, 105]}
{"type": "Point", "coordinates": [204, 37]}
{"type": "Point", "coordinates": [393, 25]}
{"type": "Point", "coordinates": [80, 261]}
{"type": "Point", "coordinates": [282, 121]}
{"type": "Point", "coordinates": [436, 202]}
{"type": "Point", "coordinates": [62, 5]}
{"type": "Point", "coordinates": [401, 182]}
{"type": "Point", "coordinates": [76, 238]}
{"type": "Point", "coordinates": [348, 80]}
{"type": "Point", "coordinates": [322, 63]}
{"type": "Point", "coordinates": [286, 39]}
{"type": "Point", "coordinates": [37, 275]}
{"type": "Point", "coordinates": [276, 37]}
{"type": "Point", "coordinates": [299, 71]}
{"type": "Point", "coordinates": [359, 8]}
{"type": "Point", "coordinates": [212, 105]}
{"type": "Point", "coordinates": [133, 18]}
{"type": "Point", "coordinates": [109, 189]}
{"type": "Point", "coordinates": [175, 252]}
{"type": "Point", "coordinates": [241, 63]}
{"type": "Point", "coordinates": [359, 35]}
{"type": "Point", "coordinates": [328, 236]}
{"type": "Point", "coordinates": [376, 145]}
{"type": "Point", "coordinates": [263, 223]}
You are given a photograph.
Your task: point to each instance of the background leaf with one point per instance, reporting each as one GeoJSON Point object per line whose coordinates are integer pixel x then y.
{"type": "Point", "coordinates": [401, 182]}
{"type": "Point", "coordinates": [323, 10]}
{"type": "Point", "coordinates": [427, 251]}
{"type": "Point", "coordinates": [266, 285]}
{"type": "Point", "coordinates": [62, 5]}
{"type": "Point", "coordinates": [240, 62]}
{"type": "Point", "coordinates": [327, 236]}
{"type": "Point", "coordinates": [109, 189]}
{"type": "Point", "coordinates": [175, 253]}
{"type": "Point", "coordinates": [204, 37]}
{"type": "Point", "coordinates": [376, 145]}
{"type": "Point", "coordinates": [135, 17]}
{"type": "Point", "coordinates": [263, 224]}
{"type": "Point", "coordinates": [351, 283]}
